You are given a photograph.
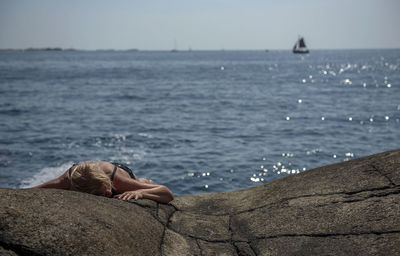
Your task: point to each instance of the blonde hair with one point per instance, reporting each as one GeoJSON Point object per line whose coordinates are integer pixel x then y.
{"type": "Point", "coordinates": [88, 177]}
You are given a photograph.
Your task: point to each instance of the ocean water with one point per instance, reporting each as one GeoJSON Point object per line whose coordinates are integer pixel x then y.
{"type": "Point", "coordinates": [199, 121]}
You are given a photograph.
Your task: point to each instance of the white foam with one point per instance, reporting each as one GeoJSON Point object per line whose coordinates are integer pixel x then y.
{"type": "Point", "coordinates": [45, 174]}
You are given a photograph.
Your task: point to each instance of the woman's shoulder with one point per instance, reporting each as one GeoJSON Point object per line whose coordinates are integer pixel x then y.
{"type": "Point", "coordinates": [107, 167]}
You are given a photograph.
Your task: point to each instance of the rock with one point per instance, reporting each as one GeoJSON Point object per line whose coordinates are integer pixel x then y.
{"type": "Point", "coordinates": [57, 222]}
{"type": "Point", "coordinates": [350, 208]}
{"type": "Point", "coordinates": [5, 252]}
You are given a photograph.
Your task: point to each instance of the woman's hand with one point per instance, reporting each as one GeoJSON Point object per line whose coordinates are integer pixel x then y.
{"type": "Point", "coordinates": [128, 195]}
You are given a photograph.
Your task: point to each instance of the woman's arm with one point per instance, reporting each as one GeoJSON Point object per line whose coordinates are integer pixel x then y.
{"type": "Point", "coordinates": [132, 189]}
{"type": "Point", "coordinates": [61, 182]}
{"type": "Point", "coordinates": [158, 193]}
{"type": "Point", "coordinates": [144, 180]}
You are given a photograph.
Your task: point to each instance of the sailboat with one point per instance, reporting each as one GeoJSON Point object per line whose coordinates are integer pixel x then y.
{"type": "Point", "coordinates": [175, 47]}
{"type": "Point", "coordinates": [300, 46]}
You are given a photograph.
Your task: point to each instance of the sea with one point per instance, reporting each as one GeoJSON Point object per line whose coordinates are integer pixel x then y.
{"type": "Point", "coordinates": [195, 121]}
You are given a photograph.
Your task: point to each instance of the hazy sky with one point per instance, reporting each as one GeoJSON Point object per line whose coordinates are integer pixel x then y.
{"type": "Point", "coordinates": [201, 24]}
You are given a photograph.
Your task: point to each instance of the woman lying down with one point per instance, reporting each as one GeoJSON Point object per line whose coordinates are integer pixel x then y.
{"type": "Point", "coordinates": [109, 180]}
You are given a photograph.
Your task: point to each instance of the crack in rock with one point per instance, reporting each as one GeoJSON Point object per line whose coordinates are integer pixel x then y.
{"type": "Point", "coordinates": [244, 249]}
{"type": "Point", "coordinates": [164, 230]}
{"type": "Point", "coordinates": [329, 235]}
{"type": "Point", "coordinates": [18, 249]}
{"type": "Point", "coordinates": [198, 245]}
{"type": "Point", "coordinates": [383, 174]}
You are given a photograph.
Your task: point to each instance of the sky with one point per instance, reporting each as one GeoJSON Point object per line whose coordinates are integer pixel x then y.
{"type": "Point", "coordinates": [199, 25]}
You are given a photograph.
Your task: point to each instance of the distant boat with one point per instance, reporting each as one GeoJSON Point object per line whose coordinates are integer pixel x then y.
{"type": "Point", "coordinates": [175, 49]}
{"type": "Point", "coordinates": [300, 46]}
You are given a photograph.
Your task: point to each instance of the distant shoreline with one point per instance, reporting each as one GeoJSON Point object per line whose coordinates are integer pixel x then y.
{"type": "Point", "coordinates": [59, 49]}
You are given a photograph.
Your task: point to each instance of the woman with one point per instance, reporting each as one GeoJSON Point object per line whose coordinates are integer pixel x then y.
{"type": "Point", "coordinates": [109, 180]}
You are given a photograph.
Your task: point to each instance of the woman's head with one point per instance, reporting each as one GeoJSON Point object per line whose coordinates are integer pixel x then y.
{"type": "Point", "coordinates": [90, 178]}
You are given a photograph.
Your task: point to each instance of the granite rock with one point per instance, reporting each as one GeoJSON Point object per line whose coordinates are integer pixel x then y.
{"type": "Point", "coordinates": [347, 208]}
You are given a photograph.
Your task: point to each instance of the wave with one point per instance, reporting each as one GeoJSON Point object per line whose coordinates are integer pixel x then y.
{"type": "Point", "coordinates": [13, 111]}
{"type": "Point", "coordinates": [45, 174]}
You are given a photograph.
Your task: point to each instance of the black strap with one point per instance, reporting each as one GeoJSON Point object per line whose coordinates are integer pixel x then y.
{"type": "Point", "coordinates": [127, 169]}
{"type": "Point", "coordinates": [70, 170]}
{"type": "Point", "coordinates": [113, 173]}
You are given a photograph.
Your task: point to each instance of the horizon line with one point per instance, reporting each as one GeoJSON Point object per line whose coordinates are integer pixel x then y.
{"type": "Point", "coordinates": [183, 50]}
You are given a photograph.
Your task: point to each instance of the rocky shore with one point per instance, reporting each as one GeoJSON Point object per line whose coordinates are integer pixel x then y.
{"type": "Point", "coordinates": [349, 208]}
